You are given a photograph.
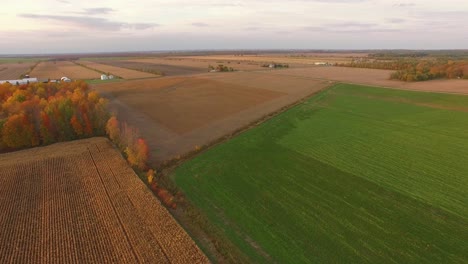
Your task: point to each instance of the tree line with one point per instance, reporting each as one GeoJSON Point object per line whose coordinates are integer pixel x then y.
{"type": "Point", "coordinates": [43, 113]}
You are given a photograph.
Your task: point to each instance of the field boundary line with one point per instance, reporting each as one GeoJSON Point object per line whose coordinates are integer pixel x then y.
{"type": "Point", "coordinates": [168, 166]}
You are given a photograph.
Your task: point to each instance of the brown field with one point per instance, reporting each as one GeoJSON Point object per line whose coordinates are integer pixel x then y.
{"type": "Point", "coordinates": [79, 202]}
{"type": "Point", "coordinates": [202, 64]}
{"type": "Point", "coordinates": [176, 114]}
{"type": "Point", "coordinates": [11, 71]}
{"type": "Point", "coordinates": [59, 69]}
{"type": "Point", "coordinates": [165, 69]}
{"type": "Point", "coordinates": [117, 71]}
{"type": "Point", "coordinates": [376, 78]}
{"type": "Point", "coordinates": [293, 59]}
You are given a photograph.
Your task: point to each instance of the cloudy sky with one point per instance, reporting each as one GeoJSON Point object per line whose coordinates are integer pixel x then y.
{"type": "Point", "coordinates": [63, 26]}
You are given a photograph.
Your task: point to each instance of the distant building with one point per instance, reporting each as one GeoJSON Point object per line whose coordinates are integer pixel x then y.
{"type": "Point", "coordinates": [104, 77]}
{"type": "Point", "coordinates": [272, 66]}
{"type": "Point", "coordinates": [65, 79]}
{"type": "Point", "coordinates": [111, 77]}
{"type": "Point", "coordinates": [20, 81]}
{"type": "Point", "coordinates": [320, 63]}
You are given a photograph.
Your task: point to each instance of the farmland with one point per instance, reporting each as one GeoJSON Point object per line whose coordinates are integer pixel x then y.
{"type": "Point", "coordinates": [10, 71]}
{"type": "Point", "coordinates": [176, 114]}
{"type": "Point", "coordinates": [199, 63]}
{"type": "Point", "coordinates": [164, 69]}
{"type": "Point", "coordinates": [79, 202]}
{"type": "Point", "coordinates": [59, 69]}
{"type": "Point", "coordinates": [117, 71]}
{"type": "Point", "coordinates": [305, 59]}
{"type": "Point", "coordinates": [374, 77]}
{"type": "Point", "coordinates": [354, 174]}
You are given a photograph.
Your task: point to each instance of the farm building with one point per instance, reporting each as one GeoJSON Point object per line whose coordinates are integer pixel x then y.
{"type": "Point", "coordinates": [111, 77]}
{"type": "Point", "coordinates": [104, 77]}
{"type": "Point", "coordinates": [320, 63]}
{"type": "Point", "coordinates": [65, 79]}
{"type": "Point", "coordinates": [20, 81]}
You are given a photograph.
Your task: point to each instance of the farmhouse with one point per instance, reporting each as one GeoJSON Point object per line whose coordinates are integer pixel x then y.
{"type": "Point", "coordinates": [65, 79]}
{"type": "Point", "coordinates": [320, 63]}
{"type": "Point", "coordinates": [104, 77]}
{"type": "Point", "coordinates": [20, 81]}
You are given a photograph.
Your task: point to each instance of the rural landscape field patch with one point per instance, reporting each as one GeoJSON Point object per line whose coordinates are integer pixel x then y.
{"type": "Point", "coordinates": [355, 174]}
{"type": "Point", "coordinates": [120, 72]}
{"type": "Point", "coordinates": [59, 69]}
{"type": "Point", "coordinates": [79, 202]}
{"type": "Point", "coordinates": [176, 114]}
{"type": "Point", "coordinates": [11, 71]}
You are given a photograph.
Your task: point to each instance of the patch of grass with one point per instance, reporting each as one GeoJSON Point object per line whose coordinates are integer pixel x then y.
{"type": "Point", "coordinates": [355, 174]}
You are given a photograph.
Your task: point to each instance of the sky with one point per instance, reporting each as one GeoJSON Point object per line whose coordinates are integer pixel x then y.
{"type": "Point", "coordinates": [70, 26]}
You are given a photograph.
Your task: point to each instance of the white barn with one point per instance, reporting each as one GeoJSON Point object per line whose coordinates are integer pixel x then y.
{"type": "Point", "coordinates": [65, 79]}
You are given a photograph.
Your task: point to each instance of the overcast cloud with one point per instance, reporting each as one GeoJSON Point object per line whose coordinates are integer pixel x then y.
{"type": "Point", "coordinates": [60, 26]}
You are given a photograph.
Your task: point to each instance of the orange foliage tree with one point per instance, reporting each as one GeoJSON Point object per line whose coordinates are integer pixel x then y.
{"type": "Point", "coordinates": [38, 114]}
{"type": "Point", "coordinates": [129, 141]}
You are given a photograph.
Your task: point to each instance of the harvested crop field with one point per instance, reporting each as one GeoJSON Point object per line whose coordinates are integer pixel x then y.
{"type": "Point", "coordinates": [355, 174]}
{"type": "Point", "coordinates": [176, 114]}
{"type": "Point", "coordinates": [11, 71]}
{"type": "Point", "coordinates": [79, 202]}
{"type": "Point", "coordinates": [375, 77]}
{"type": "Point", "coordinates": [59, 69]}
{"type": "Point", "coordinates": [164, 69]}
{"type": "Point", "coordinates": [117, 71]}
{"type": "Point", "coordinates": [289, 59]}
{"type": "Point", "coordinates": [201, 64]}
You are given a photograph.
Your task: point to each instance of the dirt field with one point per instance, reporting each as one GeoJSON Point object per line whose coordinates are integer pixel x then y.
{"type": "Point", "coordinates": [59, 69]}
{"type": "Point", "coordinates": [375, 77]}
{"type": "Point", "coordinates": [117, 71]}
{"type": "Point", "coordinates": [195, 62]}
{"type": "Point", "coordinates": [277, 58]}
{"type": "Point", "coordinates": [11, 71]}
{"type": "Point", "coordinates": [176, 114]}
{"type": "Point", "coordinates": [166, 70]}
{"type": "Point", "coordinates": [79, 202]}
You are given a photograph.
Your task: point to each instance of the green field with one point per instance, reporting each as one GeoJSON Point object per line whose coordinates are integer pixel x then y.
{"type": "Point", "coordinates": [354, 175]}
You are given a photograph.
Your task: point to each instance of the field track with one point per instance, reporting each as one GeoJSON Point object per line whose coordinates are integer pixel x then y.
{"type": "Point", "coordinates": [79, 202]}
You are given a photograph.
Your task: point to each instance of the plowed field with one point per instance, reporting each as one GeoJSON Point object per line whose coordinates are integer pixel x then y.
{"type": "Point", "coordinates": [59, 69]}
{"type": "Point", "coordinates": [117, 71]}
{"type": "Point", "coordinates": [278, 58]}
{"type": "Point", "coordinates": [176, 114]}
{"type": "Point", "coordinates": [10, 71]}
{"type": "Point", "coordinates": [155, 68]}
{"type": "Point", "coordinates": [195, 62]}
{"type": "Point", "coordinates": [79, 202]}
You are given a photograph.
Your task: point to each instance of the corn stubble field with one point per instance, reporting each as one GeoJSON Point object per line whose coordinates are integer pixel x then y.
{"type": "Point", "coordinates": [354, 175]}
{"type": "Point", "coordinates": [79, 202]}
